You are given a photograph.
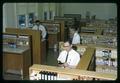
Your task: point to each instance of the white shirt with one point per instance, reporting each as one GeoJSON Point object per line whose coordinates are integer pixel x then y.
{"type": "Point", "coordinates": [42, 28]}
{"type": "Point", "coordinates": [76, 38]}
{"type": "Point", "coordinates": [73, 57]}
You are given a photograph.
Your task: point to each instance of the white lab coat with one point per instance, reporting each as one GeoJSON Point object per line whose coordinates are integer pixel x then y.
{"type": "Point", "coordinates": [73, 57]}
{"type": "Point", "coordinates": [42, 28]}
{"type": "Point", "coordinates": [76, 38]}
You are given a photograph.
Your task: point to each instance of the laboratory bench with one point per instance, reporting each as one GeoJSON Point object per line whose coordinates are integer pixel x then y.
{"type": "Point", "coordinates": [45, 72]}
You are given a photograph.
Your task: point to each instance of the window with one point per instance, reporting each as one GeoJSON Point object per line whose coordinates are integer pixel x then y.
{"type": "Point", "coordinates": [30, 19]}
{"type": "Point", "coordinates": [45, 15]}
{"type": "Point", "coordinates": [21, 21]}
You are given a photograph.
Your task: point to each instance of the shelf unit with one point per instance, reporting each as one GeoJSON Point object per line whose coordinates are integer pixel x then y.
{"type": "Point", "coordinates": [14, 40]}
{"type": "Point", "coordinates": [110, 41]}
{"type": "Point", "coordinates": [106, 60]}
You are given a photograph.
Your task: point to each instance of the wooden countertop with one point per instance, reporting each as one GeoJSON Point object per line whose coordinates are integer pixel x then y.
{"type": "Point", "coordinates": [18, 50]}
{"type": "Point", "coordinates": [77, 72]}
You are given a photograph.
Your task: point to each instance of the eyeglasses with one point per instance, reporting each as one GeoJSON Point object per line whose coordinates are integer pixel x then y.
{"type": "Point", "coordinates": [65, 46]}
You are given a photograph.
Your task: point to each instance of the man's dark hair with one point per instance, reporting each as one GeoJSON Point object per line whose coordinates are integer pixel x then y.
{"type": "Point", "coordinates": [69, 41]}
{"type": "Point", "coordinates": [74, 28]}
{"type": "Point", "coordinates": [37, 21]}
{"type": "Point", "coordinates": [74, 47]}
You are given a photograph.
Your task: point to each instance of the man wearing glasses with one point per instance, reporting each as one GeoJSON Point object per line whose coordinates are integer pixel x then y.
{"type": "Point", "coordinates": [68, 57]}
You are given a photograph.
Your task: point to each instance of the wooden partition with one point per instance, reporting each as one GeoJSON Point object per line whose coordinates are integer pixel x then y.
{"type": "Point", "coordinates": [87, 60]}
{"type": "Point", "coordinates": [53, 30]}
{"type": "Point", "coordinates": [62, 30]}
{"type": "Point", "coordinates": [61, 27]}
{"type": "Point", "coordinates": [67, 22]}
{"type": "Point", "coordinates": [36, 42]}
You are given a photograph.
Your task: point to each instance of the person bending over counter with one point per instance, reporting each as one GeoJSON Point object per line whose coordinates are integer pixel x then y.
{"type": "Point", "coordinates": [40, 27]}
{"type": "Point", "coordinates": [68, 57]}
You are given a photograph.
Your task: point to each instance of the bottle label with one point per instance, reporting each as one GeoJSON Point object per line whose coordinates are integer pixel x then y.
{"type": "Point", "coordinates": [52, 77]}
{"type": "Point", "coordinates": [42, 77]}
{"type": "Point", "coordinates": [45, 77]}
{"type": "Point", "coordinates": [49, 77]}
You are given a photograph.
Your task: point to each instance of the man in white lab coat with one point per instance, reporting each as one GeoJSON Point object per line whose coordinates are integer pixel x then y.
{"type": "Point", "coordinates": [40, 27]}
{"type": "Point", "coordinates": [75, 37]}
{"type": "Point", "coordinates": [68, 57]}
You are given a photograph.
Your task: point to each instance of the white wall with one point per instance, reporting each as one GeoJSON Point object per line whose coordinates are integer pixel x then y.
{"type": "Point", "coordinates": [9, 19]}
{"type": "Point", "coordinates": [11, 10]}
{"type": "Point", "coordinates": [25, 9]}
{"type": "Point", "coordinates": [101, 10]}
{"type": "Point", "coordinates": [4, 17]}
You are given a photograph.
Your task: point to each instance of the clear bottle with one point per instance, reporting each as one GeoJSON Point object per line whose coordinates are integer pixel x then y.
{"type": "Point", "coordinates": [42, 75]}
{"type": "Point", "coordinates": [52, 75]}
{"type": "Point", "coordinates": [49, 74]}
{"type": "Point", "coordinates": [55, 76]}
{"type": "Point", "coordinates": [45, 75]}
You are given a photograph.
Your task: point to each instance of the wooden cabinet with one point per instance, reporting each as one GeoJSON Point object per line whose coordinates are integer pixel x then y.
{"type": "Point", "coordinates": [35, 41]}
{"type": "Point", "coordinates": [87, 60]}
{"type": "Point", "coordinates": [16, 56]}
{"type": "Point", "coordinates": [16, 61]}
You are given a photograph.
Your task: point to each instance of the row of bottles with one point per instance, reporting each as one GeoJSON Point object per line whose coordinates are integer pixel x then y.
{"type": "Point", "coordinates": [43, 75]}
{"type": "Point", "coordinates": [99, 40]}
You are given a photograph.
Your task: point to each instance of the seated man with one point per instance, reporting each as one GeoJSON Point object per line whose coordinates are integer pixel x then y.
{"type": "Point", "coordinates": [68, 57]}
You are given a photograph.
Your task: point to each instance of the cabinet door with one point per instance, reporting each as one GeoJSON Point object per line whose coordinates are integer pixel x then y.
{"type": "Point", "coordinates": [12, 61]}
